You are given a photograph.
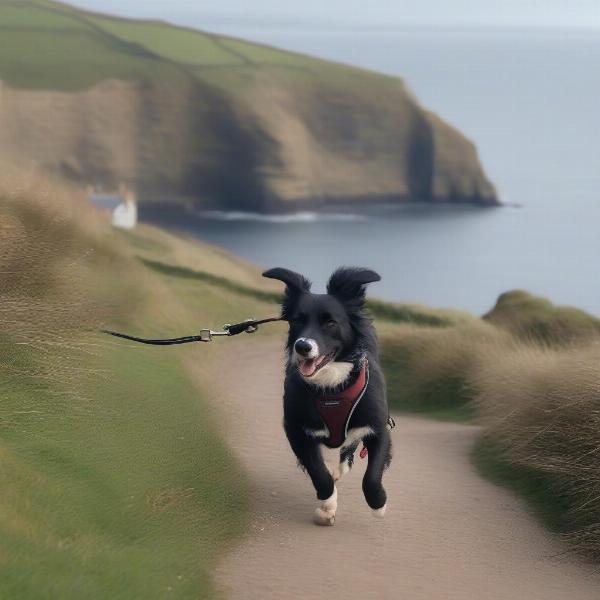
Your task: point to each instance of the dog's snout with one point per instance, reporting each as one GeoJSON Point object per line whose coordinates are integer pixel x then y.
{"type": "Point", "coordinates": [303, 347]}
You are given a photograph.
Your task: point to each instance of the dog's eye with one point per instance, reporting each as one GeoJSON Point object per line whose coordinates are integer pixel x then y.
{"type": "Point", "coordinates": [330, 323]}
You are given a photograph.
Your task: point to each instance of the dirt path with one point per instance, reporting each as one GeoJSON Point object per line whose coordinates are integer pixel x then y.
{"type": "Point", "coordinates": [447, 534]}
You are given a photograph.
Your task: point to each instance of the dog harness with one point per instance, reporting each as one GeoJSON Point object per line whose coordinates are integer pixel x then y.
{"type": "Point", "coordinates": [336, 409]}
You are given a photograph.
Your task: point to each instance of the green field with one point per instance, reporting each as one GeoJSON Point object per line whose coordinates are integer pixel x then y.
{"type": "Point", "coordinates": [50, 45]}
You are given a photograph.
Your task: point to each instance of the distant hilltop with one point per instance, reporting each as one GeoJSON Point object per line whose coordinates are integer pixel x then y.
{"type": "Point", "coordinates": [220, 122]}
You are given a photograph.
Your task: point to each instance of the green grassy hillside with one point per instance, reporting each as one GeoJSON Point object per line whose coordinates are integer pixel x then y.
{"type": "Point", "coordinates": [215, 120]}
{"type": "Point", "coordinates": [116, 480]}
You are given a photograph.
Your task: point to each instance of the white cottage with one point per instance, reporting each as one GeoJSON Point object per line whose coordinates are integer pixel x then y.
{"type": "Point", "coordinates": [122, 206]}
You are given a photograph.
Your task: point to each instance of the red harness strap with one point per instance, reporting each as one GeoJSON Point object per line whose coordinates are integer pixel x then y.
{"type": "Point", "coordinates": [336, 409]}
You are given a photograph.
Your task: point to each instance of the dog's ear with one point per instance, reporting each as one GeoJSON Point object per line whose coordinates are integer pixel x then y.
{"type": "Point", "coordinates": [294, 282]}
{"type": "Point", "coordinates": [348, 284]}
{"type": "Point", "coordinates": [295, 286]}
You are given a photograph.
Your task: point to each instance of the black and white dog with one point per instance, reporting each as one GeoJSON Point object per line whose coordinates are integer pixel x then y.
{"type": "Point", "coordinates": [334, 393]}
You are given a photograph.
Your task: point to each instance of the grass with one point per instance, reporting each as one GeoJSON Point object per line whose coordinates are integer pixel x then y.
{"type": "Point", "coordinates": [529, 374]}
{"type": "Point", "coordinates": [116, 481]}
{"type": "Point", "coordinates": [114, 474]}
{"type": "Point", "coordinates": [46, 44]}
{"type": "Point", "coordinates": [546, 497]}
{"type": "Point", "coordinates": [537, 319]}
{"type": "Point", "coordinates": [428, 369]}
{"type": "Point", "coordinates": [16, 15]}
{"type": "Point", "coordinates": [384, 311]}
{"type": "Point", "coordinates": [126, 493]}
{"type": "Point", "coordinates": [540, 407]}
{"type": "Point", "coordinates": [74, 60]}
{"type": "Point", "coordinates": [180, 45]}
{"type": "Point", "coordinates": [217, 280]}
{"type": "Point", "coordinates": [417, 315]}
{"type": "Point", "coordinates": [55, 46]}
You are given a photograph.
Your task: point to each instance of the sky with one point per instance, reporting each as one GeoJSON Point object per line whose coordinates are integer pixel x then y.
{"type": "Point", "coordinates": [235, 16]}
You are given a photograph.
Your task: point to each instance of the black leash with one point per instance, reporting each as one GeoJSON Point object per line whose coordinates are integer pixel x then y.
{"type": "Point", "coordinates": [205, 335]}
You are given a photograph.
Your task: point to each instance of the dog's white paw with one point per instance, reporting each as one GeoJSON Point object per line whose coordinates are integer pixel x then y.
{"type": "Point", "coordinates": [380, 512]}
{"type": "Point", "coordinates": [323, 517]}
{"type": "Point", "coordinates": [325, 512]}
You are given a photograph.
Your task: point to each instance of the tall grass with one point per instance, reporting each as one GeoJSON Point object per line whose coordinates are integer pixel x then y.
{"type": "Point", "coordinates": [115, 480]}
{"type": "Point", "coordinates": [430, 370]}
{"type": "Point", "coordinates": [529, 373]}
{"type": "Point", "coordinates": [536, 319]}
{"type": "Point", "coordinates": [540, 409]}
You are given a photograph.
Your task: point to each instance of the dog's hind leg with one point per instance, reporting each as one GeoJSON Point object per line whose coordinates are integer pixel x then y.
{"type": "Point", "coordinates": [379, 447]}
{"type": "Point", "coordinates": [347, 459]}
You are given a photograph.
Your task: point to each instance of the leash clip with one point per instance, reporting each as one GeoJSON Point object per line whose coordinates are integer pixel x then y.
{"type": "Point", "coordinates": [207, 335]}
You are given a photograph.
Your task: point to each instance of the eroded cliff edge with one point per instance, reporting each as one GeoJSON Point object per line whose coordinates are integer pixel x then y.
{"type": "Point", "coordinates": [266, 131]}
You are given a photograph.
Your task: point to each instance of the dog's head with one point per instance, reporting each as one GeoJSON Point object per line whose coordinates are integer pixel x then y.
{"type": "Point", "coordinates": [324, 328]}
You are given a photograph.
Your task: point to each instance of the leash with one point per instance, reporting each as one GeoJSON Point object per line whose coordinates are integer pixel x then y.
{"type": "Point", "coordinates": [205, 335]}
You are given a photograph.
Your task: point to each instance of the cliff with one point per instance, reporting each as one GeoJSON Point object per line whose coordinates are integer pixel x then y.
{"type": "Point", "coordinates": [180, 113]}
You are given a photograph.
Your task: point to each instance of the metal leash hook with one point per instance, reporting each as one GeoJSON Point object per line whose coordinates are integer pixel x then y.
{"type": "Point", "coordinates": [207, 335]}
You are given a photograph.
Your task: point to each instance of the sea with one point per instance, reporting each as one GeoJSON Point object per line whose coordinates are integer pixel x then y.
{"type": "Point", "coordinates": [530, 100]}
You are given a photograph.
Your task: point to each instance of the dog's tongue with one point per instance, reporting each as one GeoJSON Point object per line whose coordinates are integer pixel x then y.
{"type": "Point", "coordinates": [308, 366]}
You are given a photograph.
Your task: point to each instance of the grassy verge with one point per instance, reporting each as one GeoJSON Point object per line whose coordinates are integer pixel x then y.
{"type": "Point", "coordinates": [534, 319]}
{"type": "Point", "coordinates": [429, 369]}
{"type": "Point", "coordinates": [126, 491]}
{"type": "Point", "coordinates": [384, 311]}
{"type": "Point", "coordinates": [544, 494]}
{"type": "Point", "coordinates": [116, 480]}
{"type": "Point", "coordinates": [212, 279]}
{"type": "Point", "coordinates": [528, 373]}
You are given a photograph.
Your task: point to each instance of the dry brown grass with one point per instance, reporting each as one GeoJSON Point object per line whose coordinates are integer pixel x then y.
{"type": "Point", "coordinates": [537, 320]}
{"type": "Point", "coordinates": [540, 408]}
{"type": "Point", "coordinates": [429, 369]}
{"type": "Point", "coordinates": [91, 427]}
{"type": "Point", "coordinates": [52, 245]}
{"type": "Point", "coordinates": [533, 383]}
{"type": "Point", "coordinates": [62, 275]}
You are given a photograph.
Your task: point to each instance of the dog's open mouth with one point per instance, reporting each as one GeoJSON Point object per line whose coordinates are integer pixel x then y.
{"type": "Point", "coordinates": [310, 366]}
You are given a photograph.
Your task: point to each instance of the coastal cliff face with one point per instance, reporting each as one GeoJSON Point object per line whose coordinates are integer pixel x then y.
{"type": "Point", "coordinates": [267, 130]}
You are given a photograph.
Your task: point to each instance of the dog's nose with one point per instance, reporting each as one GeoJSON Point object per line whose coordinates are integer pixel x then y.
{"type": "Point", "coordinates": [303, 347]}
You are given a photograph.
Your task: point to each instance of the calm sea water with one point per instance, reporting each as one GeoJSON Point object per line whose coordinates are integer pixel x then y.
{"type": "Point", "coordinates": [530, 103]}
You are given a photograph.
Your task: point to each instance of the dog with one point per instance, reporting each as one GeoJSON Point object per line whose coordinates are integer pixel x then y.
{"type": "Point", "coordinates": [334, 391]}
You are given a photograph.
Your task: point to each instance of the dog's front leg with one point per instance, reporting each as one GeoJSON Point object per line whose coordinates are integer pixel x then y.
{"type": "Point", "coordinates": [308, 453]}
{"type": "Point", "coordinates": [379, 448]}
{"type": "Point", "coordinates": [324, 485]}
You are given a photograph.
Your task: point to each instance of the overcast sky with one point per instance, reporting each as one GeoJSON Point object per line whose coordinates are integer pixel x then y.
{"type": "Point", "coordinates": [233, 16]}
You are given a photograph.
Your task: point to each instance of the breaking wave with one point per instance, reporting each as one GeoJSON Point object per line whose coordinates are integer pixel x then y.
{"type": "Point", "coordinates": [297, 217]}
